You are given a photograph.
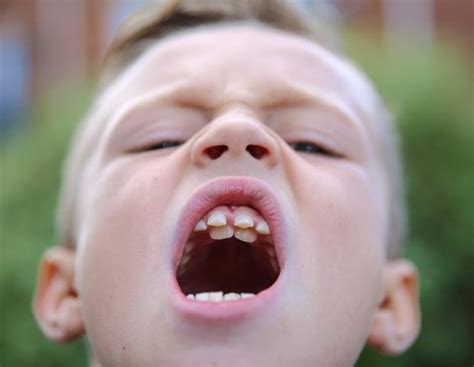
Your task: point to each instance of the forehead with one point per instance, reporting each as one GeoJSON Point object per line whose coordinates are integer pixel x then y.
{"type": "Point", "coordinates": [250, 64]}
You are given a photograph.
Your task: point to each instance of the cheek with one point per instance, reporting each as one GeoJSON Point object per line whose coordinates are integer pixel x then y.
{"type": "Point", "coordinates": [341, 207]}
{"type": "Point", "coordinates": [342, 217]}
{"type": "Point", "coordinates": [120, 254]}
{"type": "Point", "coordinates": [340, 252]}
{"type": "Point", "coordinates": [125, 206]}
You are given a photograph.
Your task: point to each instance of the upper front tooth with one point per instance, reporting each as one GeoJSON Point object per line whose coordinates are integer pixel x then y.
{"type": "Point", "coordinates": [220, 233]}
{"type": "Point", "coordinates": [243, 221]}
{"type": "Point", "coordinates": [217, 219]}
{"type": "Point", "coordinates": [263, 228]}
{"type": "Point", "coordinates": [200, 226]}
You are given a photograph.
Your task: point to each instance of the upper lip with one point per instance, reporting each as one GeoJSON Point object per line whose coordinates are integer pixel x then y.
{"type": "Point", "coordinates": [231, 191]}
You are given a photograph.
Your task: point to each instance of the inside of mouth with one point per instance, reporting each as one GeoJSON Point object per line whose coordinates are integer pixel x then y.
{"type": "Point", "coordinates": [229, 265]}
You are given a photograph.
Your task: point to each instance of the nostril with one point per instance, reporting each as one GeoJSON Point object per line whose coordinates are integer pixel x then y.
{"type": "Point", "coordinates": [257, 151]}
{"type": "Point", "coordinates": [216, 151]}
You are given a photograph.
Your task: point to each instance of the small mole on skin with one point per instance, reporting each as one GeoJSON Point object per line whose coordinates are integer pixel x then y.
{"type": "Point", "coordinates": [123, 348]}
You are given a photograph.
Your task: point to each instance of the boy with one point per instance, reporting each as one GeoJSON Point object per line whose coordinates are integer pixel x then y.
{"type": "Point", "coordinates": [233, 199]}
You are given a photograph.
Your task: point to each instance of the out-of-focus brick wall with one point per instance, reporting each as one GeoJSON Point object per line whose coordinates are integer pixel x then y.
{"type": "Point", "coordinates": [65, 39]}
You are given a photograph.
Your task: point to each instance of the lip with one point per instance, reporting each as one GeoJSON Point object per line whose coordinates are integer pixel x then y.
{"type": "Point", "coordinates": [232, 191]}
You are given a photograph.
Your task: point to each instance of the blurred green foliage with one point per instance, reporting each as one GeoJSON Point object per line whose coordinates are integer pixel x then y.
{"type": "Point", "coordinates": [30, 170]}
{"type": "Point", "coordinates": [432, 97]}
{"type": "Point", "coordinates": [431, 94]}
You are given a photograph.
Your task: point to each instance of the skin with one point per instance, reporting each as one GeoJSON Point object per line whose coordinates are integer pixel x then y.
{"type": "Point", "coordinates": [261, 87]}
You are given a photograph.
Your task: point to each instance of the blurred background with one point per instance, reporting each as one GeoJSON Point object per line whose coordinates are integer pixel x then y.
{"type": "Point", "coordinates": [420, 54]}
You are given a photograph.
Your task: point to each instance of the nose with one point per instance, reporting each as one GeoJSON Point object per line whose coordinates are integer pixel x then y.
{"type": "Point", "coordinates": [235, 136]}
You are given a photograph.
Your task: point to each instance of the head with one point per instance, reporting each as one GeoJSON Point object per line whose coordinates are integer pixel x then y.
{"type": "Point", "coordinates": [230, 150]}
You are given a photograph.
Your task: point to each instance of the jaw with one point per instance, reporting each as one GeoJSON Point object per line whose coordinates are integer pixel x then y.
{"type": "Point", "coordinates": [228, 270]}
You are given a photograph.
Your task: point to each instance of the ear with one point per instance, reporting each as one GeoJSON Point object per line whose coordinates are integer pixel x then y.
{"type": "Point", "coordinates": [56, 305]}
{"type": "Point", "coordinates": [396, 323]}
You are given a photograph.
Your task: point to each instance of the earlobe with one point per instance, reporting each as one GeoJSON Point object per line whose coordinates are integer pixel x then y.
{"type": "Point", "coordinates": [396, 323]}
{"type": "Point", "coordinates": [56, 305]}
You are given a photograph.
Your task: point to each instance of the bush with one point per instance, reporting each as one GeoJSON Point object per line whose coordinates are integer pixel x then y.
{"type": "Point", "coordinates": [30, 176]}
{"type": "Point", "coordinates": [432, 95]}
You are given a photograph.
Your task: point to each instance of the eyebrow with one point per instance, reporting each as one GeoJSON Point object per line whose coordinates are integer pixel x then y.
{"type": "Point", "coordinates": [303, 94]}
{"type": "Point", "coordinates": [184, 92]}
{"type": "Point", "coordinates": [145, 100]}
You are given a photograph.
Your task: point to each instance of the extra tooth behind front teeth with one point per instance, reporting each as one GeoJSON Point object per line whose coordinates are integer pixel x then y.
{"type": "Point", "coordinates": [218, 296]}
{"type": "Point", "coordinates": [246, 226]}
{"type": "Point", "coordinates": [220, 233]}
{"type": "Point", "coordinates": [246, 235]}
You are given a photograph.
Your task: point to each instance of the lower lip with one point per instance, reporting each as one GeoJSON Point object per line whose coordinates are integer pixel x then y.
{"type": "Point", "coordinates": [225, 311]}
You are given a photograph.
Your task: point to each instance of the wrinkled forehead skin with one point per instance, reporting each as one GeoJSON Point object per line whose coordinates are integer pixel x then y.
{"type": "Point", "coordinates": [198, 72]}
{"type": "Point", "coordinates": [186, 55]}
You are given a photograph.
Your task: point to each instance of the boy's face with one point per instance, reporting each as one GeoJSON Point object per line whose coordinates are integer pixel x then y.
{"type": "Point", "coordinates": [236, 96]}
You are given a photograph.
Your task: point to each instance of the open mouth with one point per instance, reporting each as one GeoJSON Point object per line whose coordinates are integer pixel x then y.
{"type": "Point", "coordinates": [231, 249]}
{"type": "Point", "coordinates": [229, 256]}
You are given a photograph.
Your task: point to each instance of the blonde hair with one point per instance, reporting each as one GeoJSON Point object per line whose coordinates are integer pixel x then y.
{"type": "Point", "coordinates": [158, 21]}
{"type": "Point", "coordinates": [155, 22]}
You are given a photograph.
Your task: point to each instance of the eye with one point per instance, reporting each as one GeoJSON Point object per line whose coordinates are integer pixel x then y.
{"type": "Point", "coordinates": [161, 145]}
{"type": "Point", "coordinates": [310, 148]}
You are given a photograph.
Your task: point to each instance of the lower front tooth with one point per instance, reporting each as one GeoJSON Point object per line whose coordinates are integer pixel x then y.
{"type": "Point", "coordinates": [247, 295]}
{"type": "Point", "coordinates": [246, 235]}
{"type": "Point", "coordinates": [220, 233]}
{"type": "Point", "coordinates": [232, 297]}
{"type": "Point", "coordinates": [219, 296]}
{"type": "Point", "coordinates": [216, 296]}
{"type": "Point", "coordinates": [202, 296]}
